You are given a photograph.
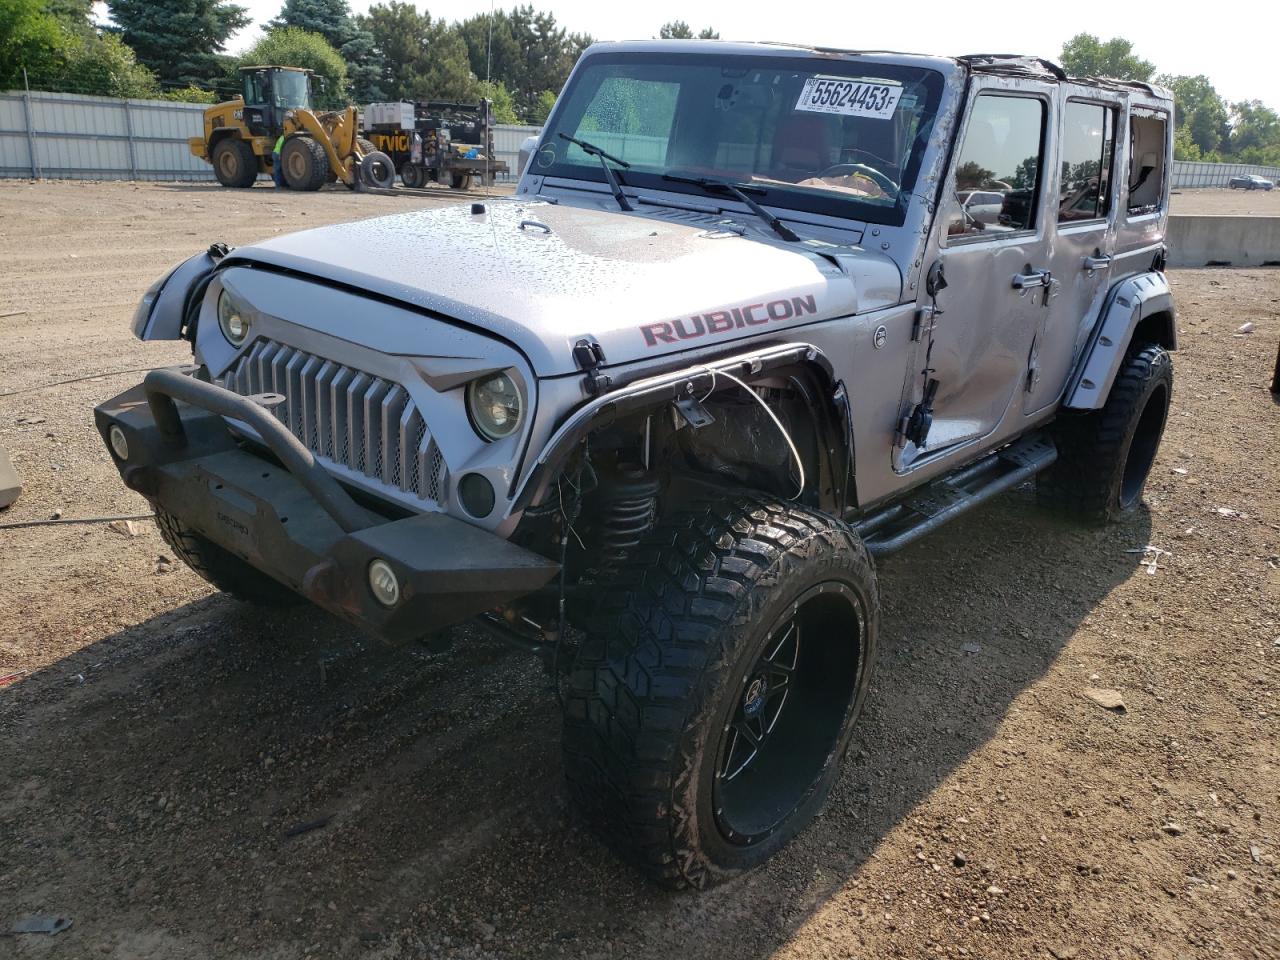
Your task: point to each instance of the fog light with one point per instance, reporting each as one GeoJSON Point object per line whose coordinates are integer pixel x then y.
{"type": "Point", "coordinates": [383, 583]}
{"type": "Point", "coordinates": [476, 494]}
{"type": "Point", "coordinates": [119, 445]}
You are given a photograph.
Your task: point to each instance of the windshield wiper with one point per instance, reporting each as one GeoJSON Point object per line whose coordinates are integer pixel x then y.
{"type": "Point", "coordinates": [591, 150]}
{"type": "Point", "coordinates": [739, 192]}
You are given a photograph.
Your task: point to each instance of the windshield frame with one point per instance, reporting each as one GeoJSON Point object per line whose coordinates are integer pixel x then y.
{"type": "Point", "coordinates": [816, 201]}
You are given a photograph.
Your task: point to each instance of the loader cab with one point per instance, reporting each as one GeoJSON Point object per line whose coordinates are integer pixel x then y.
{"type": "Point", "coordinates": [269, 93]}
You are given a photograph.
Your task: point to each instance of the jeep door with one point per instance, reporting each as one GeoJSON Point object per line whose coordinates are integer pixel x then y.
{"type": "Point", "coordinates": [990, 311]}
{"type": "Point", "coordinates": [1081, 237]}
{"type": "Point", "coordinates": [1143, 204]}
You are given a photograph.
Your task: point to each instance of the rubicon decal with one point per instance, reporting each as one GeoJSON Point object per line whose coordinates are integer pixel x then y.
{"type": "Point", "coordinates": [730, 318]}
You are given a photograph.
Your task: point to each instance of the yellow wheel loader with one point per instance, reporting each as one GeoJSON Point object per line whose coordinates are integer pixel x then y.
{"type": "Point", "coordinates": [319, 148]}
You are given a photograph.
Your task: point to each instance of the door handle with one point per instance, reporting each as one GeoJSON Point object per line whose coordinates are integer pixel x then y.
{"type": "Point", "coordinates": [1097, 262]}
{"type": "Point", "coordinates": [1031, 278]}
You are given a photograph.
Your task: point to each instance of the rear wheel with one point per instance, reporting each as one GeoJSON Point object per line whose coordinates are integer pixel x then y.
{"type": "Point", "coordinates": [460, 181]}
{"type": "Point", "coordinates": [714, 697]}
{"type": "Point", "coordinates": [234, 163]}
{"type": "Point", "coordinates": [1105, 457]}
{"type": "Point", "coordinates": [306, 165]}
{"type": "Point", "coordinates": [412, 175]}
{"type": "Point", "coordinates": [222, 568]}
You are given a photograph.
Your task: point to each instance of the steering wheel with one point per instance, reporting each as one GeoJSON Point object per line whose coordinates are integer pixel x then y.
{"type": "Point", "coordinates": [871, 173]}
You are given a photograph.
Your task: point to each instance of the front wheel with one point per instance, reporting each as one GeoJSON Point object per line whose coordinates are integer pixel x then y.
{"type": "Point", "coordinates": [222, 568]}
{"type": "Point", "coordinates": [1105, 457]}
{"type": "Point", "coordinates": [305, 163]}
{"type": "Point", "coordinates": [715, 694]}
{"type": "Point", "coordinates": [234, 163]}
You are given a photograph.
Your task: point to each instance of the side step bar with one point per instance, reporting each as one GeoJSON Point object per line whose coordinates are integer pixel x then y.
{"type": "Point", "coordinates": [891, 528]}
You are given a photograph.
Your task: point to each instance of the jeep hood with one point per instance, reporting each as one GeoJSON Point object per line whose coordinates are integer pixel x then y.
{"type": "Point", "coordinates": [542, 276]}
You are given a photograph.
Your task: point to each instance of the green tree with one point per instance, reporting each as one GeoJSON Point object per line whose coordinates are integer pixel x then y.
{"type": "Point", "coordinates": [1200, 115]}
{"type": "Point", "coordinates": [679, 30]}
{"type": "Point", "coordinates": [30, 38]}
{"type": "Point", "coordinates": [190, 94]}
{"type": "Point", "coordinates": [364, 63]}
{"type": "Point", "coordinates": [77, 14]}
{"type": "Point", "coordinates": [291, 47]}
{"type": "Point", "coordinates": [542, 107]}
{"type": "Point", "coordinates": [526, 50]}
{"type": "Point", "coordinates": [1084, 55]}
{"type": "Point", "coordinates": [504, 107]}
{"type": "Point", "coordinates": [421, 58]}
{"type": "Point", "coordinates": [179, 39]}
{"type": "Point", "coordinates": [329, 18]}
{"type": "Point", "coordinates": [971, 174]}
{"type": "Point", "coordinates": [104, 66]}
{"type": "Point", "coordinates": [1255, 133]}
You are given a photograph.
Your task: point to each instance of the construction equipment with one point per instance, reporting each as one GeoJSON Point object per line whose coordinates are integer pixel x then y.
{"type": "Point", "coordinates": [319, 148]}
{"type": "Point", "coordinates": [441, 140]}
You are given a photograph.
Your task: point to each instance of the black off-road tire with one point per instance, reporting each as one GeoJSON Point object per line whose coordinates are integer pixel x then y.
{"type": "Point", "coordinates": [664, 670]}
{"type": "Point", "coordinates": [222, 568]}
{"type": "Point", "coordinates": [306, 165]}
{"type": "Point", "coordinates": [460, 181]}
{"type": "Point", "coordinates": [1105, 457]}
{"type": "Point", "coordinates": [234, 163]}
{"type": "Point", "coordinates": [377, 170]}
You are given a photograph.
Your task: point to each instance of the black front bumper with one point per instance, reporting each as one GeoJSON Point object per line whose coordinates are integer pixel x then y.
{"type": "Point", "coordinates": [291, 520]}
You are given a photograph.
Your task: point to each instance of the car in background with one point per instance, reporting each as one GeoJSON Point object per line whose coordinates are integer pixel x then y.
{"type": "Point", "coordinates": [981, 206]}
{"type": "Point", "coordinates": [1250, 181]}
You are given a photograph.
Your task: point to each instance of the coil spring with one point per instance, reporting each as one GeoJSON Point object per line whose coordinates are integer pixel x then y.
{"type": "Point", "coordinates": [628, 507]}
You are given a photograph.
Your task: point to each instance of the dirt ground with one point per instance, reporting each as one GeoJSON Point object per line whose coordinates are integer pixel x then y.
{"type": "Point", "coordinates": [185, 777]}
{"type": "Point", "coordinates": [1258, 203]}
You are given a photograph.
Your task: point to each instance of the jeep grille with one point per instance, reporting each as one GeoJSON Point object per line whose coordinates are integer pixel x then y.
{"type": "Point", "coordinates": [348, 418]}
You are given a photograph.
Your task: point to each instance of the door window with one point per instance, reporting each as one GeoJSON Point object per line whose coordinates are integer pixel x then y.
{"type": "Point", "coordinates": [1002, 156]}
{"type": "Point", "coordinates": [1146, 163]}
{"type": "Point", "coordinates": [1088, 144]}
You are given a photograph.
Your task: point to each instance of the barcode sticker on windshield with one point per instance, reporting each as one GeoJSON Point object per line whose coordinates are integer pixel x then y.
{"type": "Point", "coordinates": [850, 98]}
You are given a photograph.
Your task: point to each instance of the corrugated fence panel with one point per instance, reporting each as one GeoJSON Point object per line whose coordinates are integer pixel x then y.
{"type": "Point", "coordinates": [1189, 174]}
{"type": "Point", "coordinates": [97, 138]}
{"type": "Point", "coordinates": [507, 138]}
{"type": "Point", "coordinates": [102, 138]}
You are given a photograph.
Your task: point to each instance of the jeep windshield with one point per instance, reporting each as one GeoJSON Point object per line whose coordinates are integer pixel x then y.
{"type": "Point", "coordinates": [837, 137]}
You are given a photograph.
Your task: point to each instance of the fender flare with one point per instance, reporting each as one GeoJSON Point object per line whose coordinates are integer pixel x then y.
{"type": "Point", "coordinates": [163, 311]}
{"type": "Point", "coordinates": [1139, 303]}
{"type": "Point", "coordinates": [659, 390]}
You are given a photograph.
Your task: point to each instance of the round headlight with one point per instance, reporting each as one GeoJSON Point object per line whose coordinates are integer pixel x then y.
{"type": "Point", "coordinates": [495, 406]}
{"type": "Point", "coordinates": [233, 319]}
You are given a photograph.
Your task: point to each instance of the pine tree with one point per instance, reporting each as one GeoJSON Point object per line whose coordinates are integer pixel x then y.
{"type": "Point", "coordinates": [179, 39]}
{"type": "Point", "coordinates": [329, 18]}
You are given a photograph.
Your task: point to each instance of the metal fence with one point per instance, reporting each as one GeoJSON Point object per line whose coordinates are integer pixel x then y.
{"type": "Point", "coordinates": [1188, 174]}
{"type": "Point", "coordinates": [64, 136]}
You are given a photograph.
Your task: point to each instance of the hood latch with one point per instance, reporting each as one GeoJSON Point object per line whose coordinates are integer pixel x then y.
{"type": "Point", "coordinates": [589, 356]}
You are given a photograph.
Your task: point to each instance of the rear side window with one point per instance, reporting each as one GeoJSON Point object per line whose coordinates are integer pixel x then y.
{"type": "Point", "coordinates": [1146, 162]}
{"type": "Point", "coordinates": [1088, 145]}
{"type": "Point", "coordinates": [1002, 156]}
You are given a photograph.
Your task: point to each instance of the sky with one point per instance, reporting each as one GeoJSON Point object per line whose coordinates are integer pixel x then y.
{"type": "Point", "coordinates": [1233, 44]}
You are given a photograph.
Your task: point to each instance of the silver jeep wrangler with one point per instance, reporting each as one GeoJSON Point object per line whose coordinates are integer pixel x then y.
{"type": "Point", "coordinates": [756, 315]}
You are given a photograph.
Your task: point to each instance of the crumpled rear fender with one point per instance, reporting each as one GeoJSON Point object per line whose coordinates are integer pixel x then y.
{"type": "Point", "coordinates": [1142, 305]}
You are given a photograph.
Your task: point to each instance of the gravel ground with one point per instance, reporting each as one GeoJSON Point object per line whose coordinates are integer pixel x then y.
{"type": "Point", "coordinates": [1258, 203]}
{"type": "Point", "coordinates": [186, 777]}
